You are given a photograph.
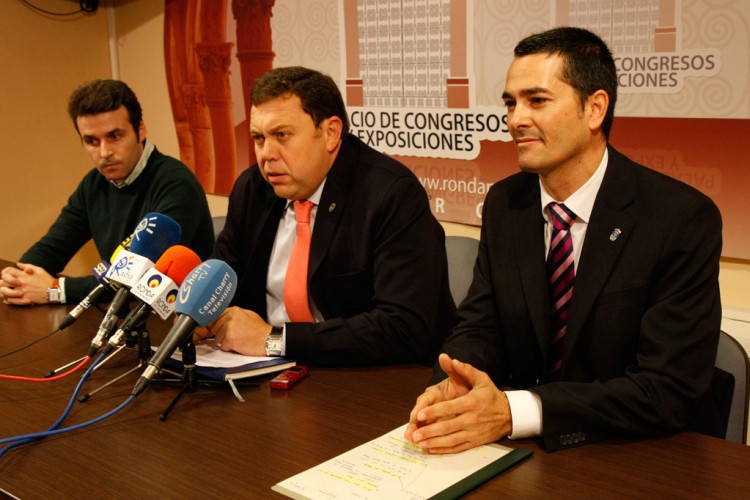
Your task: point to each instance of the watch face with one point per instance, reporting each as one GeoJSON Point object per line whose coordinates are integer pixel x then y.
{"type": "Point", "coordinates": [53, 295]}
{"type": "Point", "coordinates": [275, 341]}
{"type": "Point", "coordinates": [273, 346]}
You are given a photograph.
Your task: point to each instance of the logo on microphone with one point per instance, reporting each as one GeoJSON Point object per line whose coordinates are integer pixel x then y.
{"type": "Point", "coordinates": [198, 274]}
{"type": "Point", "coordinates": [122, 265]}
{"type": "Point", "coordinates": [171, 296]}
{"type": "Point", "coordinates": [154, 281]}
{"type": "Point", "coordinates": [147, 224]}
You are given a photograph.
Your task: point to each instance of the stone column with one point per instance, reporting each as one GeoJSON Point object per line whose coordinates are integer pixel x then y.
{"type": "Point", "coordinates": [254, 48]}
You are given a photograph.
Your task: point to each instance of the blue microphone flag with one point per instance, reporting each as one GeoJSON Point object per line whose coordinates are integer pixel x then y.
{"type": "Point", "coordinates": [154, 234]}
{"type": "Point", "coordinates": [207, 291]}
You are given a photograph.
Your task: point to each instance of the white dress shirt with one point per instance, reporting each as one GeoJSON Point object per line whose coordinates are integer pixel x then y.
{"type": "Point", "coordinates": [282, 250]}
{"type": "Point", "coordinates": [526, 406]}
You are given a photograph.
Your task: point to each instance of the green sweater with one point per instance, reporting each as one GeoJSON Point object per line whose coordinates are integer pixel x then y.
{"type": "Point", "coordinates": [99, 210]}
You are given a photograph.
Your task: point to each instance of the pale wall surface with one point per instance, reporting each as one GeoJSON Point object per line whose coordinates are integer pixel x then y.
{"type": "Point", "coordinates": [43, 60]}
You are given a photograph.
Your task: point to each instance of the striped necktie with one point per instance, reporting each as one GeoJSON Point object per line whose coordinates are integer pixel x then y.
{"type": "Point", "coordinates": [561, 275]}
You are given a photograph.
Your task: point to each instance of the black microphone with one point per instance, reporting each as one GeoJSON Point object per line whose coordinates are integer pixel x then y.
{"type": "Point", "coordinates": [102, 290]}
{"type": "Point", "coordinates": [156, 291]}
{"type": "Point", "coordinates": [153, 235]}
{"type": "Point", "coordinates": [203, 296]}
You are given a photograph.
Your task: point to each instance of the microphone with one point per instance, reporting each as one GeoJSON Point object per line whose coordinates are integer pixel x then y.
{"type": "Point", "coordinates": [157, 290]}
{"type": "Point", "coordinates": [153, 235]}
{"type": "Point", "coordinates": [203, 296]}
{"type": "Point", "coordinates": [104, 287]}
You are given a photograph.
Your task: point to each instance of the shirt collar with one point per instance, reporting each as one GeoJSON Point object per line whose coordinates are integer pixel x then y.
{"type": "Point", "coordinates": [148, 148]}
{"type": "Point", "coordinates": [582, 201]}
{"type": "Point", "coordinates": [315, 197]}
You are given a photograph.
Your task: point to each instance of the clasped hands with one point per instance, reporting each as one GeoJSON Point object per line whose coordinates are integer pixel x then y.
{"type": "Point", "coordinates": [25, 285]}
{"type": "Point", "coordinates": [461, 412]}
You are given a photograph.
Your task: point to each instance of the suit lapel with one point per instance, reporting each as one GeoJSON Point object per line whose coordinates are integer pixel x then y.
{"type": "Point", "coordinates": [601, 249]}
{"type": "Point", "coordinates": [527, 214]}
{"type": "Point", "coordinates": [333, 201]}
{"type": "Point", "coordinates": [257, 265]}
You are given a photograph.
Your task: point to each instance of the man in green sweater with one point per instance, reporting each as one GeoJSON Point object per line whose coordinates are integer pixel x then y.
{"type": "Point", "coordinates": [131, 178]}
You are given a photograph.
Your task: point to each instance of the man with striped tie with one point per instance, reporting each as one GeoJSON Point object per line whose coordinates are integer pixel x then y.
{"type": "Point", "coordinates": [595, 302]}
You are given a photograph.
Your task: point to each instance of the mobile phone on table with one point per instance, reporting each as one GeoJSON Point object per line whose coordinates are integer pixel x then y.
{"type": "Point", "coordinates": [288, 377]}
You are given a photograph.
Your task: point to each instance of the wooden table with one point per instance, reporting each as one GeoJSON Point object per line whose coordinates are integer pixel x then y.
{"type": "Point", "coordinates": [213, 446]}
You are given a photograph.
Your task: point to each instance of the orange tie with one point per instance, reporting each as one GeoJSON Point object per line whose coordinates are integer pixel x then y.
{"type": "Point", "coordinates": [295, 284]}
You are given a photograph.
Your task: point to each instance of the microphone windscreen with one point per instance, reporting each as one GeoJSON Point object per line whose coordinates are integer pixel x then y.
{"type": "Point", "coordinates": [100, 273]}
{"type": "Point", "coordinates": [177, 262]}
{"type": "Point", "coordinates": [100, 270]}
{"type": "Point", "coordinates": [117, 250]}
{"type": "Point", "coordinates": [154, 234]}
{"type": "Point", "coordinates": [207, 291]}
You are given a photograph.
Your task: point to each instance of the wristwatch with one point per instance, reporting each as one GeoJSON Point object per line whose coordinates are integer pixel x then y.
{"type": "Point", "coordinates": [54, 293]}
{"type": "Point", "coordinates": [275, 341]}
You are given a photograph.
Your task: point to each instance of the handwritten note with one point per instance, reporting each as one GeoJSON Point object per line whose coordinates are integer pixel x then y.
{"type": "Point", "coordinates": [390, 467]}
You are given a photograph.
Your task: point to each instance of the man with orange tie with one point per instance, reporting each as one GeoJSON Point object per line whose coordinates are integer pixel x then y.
{"type": "Point", "coordinates": [339, 259]}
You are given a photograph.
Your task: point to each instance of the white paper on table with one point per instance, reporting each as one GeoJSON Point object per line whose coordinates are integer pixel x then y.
{"type": "Point", "coordinates": [389, 467]}
{"type": "Point", "coordinates": [208, 354]}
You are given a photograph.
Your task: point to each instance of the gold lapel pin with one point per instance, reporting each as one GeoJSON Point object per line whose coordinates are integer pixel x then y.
{"type": "Point", "coordinates": [331, 207]}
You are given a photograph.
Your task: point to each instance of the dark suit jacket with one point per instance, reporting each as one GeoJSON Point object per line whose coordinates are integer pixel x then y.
{"type": "Point", "coordinates": [378, 269]}
{"type": "Point", "coordinates": [645, 314]}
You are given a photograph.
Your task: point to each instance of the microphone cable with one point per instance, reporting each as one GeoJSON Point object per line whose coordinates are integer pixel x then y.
{"type": "Point", "coordinates": [60, 420]}
{"type": "Point", "coordinates": [31, 344]}
{"type": "Point", "coordinates": [45, 337]}
{"type": "Point", "coordinates": [13, 442]}
{"type": "Point", "coordinates": [47, 379]}
{"type": "Point", "coordinates": [52, 374]}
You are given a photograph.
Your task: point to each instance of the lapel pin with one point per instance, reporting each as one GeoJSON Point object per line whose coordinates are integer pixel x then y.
{"type": "Point", "coordinates": [331, 207]}
{"type": "Point", "coordinates": [615, 234]}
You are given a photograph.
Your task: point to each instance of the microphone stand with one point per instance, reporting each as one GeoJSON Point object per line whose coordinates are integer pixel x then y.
{"type": "Point", "coordinates": [55, 371]}
{"type": "Point", "coordinates": [138, 339]}
{"type": "Point", "coordinates": [190, 379]}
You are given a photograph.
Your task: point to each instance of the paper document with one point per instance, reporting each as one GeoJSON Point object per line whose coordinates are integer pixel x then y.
{"type": "Point", "coordinates": [208, 354]}
{"type": "Point", "coordinates": [212, 362]}
{"type": "Point", "coordinates": [390, 467]}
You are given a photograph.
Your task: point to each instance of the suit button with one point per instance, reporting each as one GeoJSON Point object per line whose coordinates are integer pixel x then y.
{"type": "Point", "coordinates": [576, 437]}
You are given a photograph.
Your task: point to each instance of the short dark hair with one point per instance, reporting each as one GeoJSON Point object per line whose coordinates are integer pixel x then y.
{"type": "Point", "coordinates": [100, 96]}
{"type": "Point", "coordinates": [318, 93]}
{"type": "Point", "coordinates": [588, 65]}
